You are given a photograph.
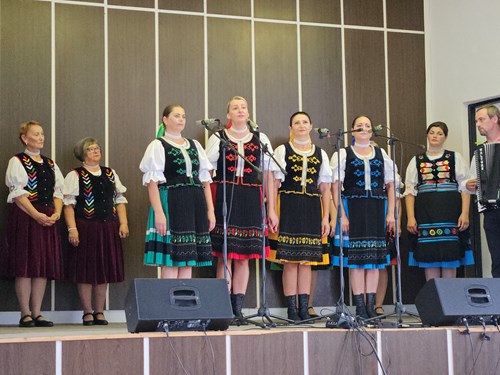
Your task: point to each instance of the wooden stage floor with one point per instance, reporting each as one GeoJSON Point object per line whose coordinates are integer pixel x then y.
{"type": "Point", "coordinates": [297, 349]}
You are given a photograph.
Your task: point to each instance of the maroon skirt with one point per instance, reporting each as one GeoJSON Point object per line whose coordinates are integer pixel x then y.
{"type": "Point", "coordinates": [98, 259]}
{"type": "Point", "coordinates": [32, 250]}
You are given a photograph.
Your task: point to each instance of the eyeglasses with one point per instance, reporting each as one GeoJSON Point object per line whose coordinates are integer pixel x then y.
{"type": "Point", "coordinates": [92, 149]}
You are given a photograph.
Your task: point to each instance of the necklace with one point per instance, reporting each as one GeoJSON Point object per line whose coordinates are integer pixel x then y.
{"type": "Point", "coordinates": [173, 136]}
{"type": "Point", "coordinates": [32, 153]}
{"type": "Point", "coordinates": [90, 166]}
{"type": "Point", "coordinates": [434, 150]}
{"type": "Point", "coordinates": [362, 145]}
{"type": "Point", "coordinates": [302, 143]}
{"type": "Point", "coordinates": [238, 131]}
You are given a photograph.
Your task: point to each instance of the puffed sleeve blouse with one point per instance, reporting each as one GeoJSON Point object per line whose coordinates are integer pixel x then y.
{"type": "Point", "coordinates": [153, 162]}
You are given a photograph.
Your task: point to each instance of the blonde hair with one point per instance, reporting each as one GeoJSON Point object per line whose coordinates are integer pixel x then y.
{"type": "Point", "coordinates": [235, 98]}
{"type": "Point", "coordinates": [25, 127]}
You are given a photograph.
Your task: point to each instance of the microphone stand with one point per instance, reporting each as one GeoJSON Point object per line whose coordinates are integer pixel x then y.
{"type": "Point", "coordinates": [399, 308]}
{"type": "Point", "coordinates": [226, 144]}
{"type": "Point", "coordinates": [342, 316]}
{"type": "Point", "coordinates": [263, 311]}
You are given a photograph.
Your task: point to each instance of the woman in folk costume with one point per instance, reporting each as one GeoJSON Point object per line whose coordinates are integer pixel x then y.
{"type": "Point", "coordinates": [32, 231]}
{"type": "Point", "coordinates": [177, 175]}
{"type": "Point", "coordinates": [95, 213]}
{"type": "Point", "coordinates": [437, 211]}
{"type": "Point", "coordinates": [299, 216]}
{"type": "Point", "coordinates": [367, 204]}
{"type": "Point", "coordinates": [244, 198]}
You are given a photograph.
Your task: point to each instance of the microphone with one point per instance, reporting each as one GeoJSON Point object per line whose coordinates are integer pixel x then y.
{"type": "Point", "coordinates": [377, 129]}
{"type": "Point", "coordinates": [211, 124]}
{"type": "Point", "coordinates": [323, 132]}
{"type": "Point", "coordinates": [252, 126]}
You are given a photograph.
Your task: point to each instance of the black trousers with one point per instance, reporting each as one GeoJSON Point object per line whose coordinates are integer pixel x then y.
{"type": "Point", "coordinates": [492, 230]}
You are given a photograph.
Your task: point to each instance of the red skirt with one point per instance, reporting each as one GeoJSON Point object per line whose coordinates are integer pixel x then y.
{"type": "Point", "coordinates": [98, 259]}
{"type": "Point", "coordinates": [32, 250]}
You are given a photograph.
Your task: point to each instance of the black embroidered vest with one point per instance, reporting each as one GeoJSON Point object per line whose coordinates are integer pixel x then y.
{"type": "Point", "coordinates": [175, 165]}
{"type": "Point", "coordinates": [97, 195]}
{"type": "Point", "coordinates": [41, 179]}
{"type": "Point", "coordinates": [354, 181]}
{"type": "Point", "coordinates": [294, 169]}
{"type": "Point", "coordinates": [251, 152]}
{"type": "Point", "coordinates": [437, 171]}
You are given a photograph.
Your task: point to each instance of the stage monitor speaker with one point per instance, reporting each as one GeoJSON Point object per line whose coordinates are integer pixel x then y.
{"type": "Point", "coordinates": [443, 302]}
{"type": "Point", "coordinates": [178, 305]}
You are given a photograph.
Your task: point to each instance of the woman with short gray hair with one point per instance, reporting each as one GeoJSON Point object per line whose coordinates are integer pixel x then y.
{"type": "Point", "coordinates": [94, 208]}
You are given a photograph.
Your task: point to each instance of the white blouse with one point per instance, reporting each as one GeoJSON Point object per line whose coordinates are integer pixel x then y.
{"type": "Point", "coordinates": [16, 179]}
{"type": "Point", "coordinates": [388, 166]}
{"type": "Point", "coordinates": [153, 161]}
{"type": "Point", "coordinates": [411, 181]}
{"type": "Point", "coordinates": [72, 187]}
{"type": "Point", "coordinates": [325, 173]}
{"type": "Point", "coordinates": [213, 148]}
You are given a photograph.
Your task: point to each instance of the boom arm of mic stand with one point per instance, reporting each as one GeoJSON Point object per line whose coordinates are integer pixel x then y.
{"type": "Point", "coordinates": [266, 151]}
{"type": "Point", "coordinates": [393, 139]}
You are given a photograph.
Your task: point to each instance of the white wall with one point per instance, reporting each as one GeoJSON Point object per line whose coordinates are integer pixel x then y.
{"type": "Point", "coordinates": [463, 61]}
{"type": "Point", "coordinates": [462, 66]}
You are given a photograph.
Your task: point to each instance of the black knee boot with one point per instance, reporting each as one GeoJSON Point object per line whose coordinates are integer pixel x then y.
{"type": "Point", "coordinates": [303, 304]}
{"type": "Point", "coordinates": [237, 305]}
{"type": "Point", "coordinates": [292, 308]}
{"type": "Point", "coordinates": [370, 305]}
{"type": "Point", "coordinates": [359, 302]}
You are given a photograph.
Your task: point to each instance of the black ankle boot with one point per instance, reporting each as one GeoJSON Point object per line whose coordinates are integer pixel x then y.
{"type": "Point", "coordinates": [359, 302]}
{"type": "Point", "coordinates": [292, 308]}
{"type": "Point", "coordinates": [370, 305]}
{"type": "Point", "coordinates": [237, 305]}
{"type": "Point", "coordinates": [303, 304]}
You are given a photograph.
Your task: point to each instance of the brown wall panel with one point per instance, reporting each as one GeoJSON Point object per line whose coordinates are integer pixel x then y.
{"type": "Point", "coordinates": [88, 1]}
{"type": "Point", "coordinates": [323, 11]}
{"type": "Point", "coordinates": [430, 344]}
{"type": "Point", "coordinates": [79, 78]}
{"type": "Point", "coordinates": [182, 68]}
{"type": "Point", "coordinates": [25, 86]}
{"type": "Point", "coordinates": [321, 67]}
{"type": "Point", "coordinates": [195, 354]}
{"type": "Point", "coordinates": [364, 12]}
{"type": "Point", "coordinates": [185, 5]}
{"type": "Point", "coordinates": [406, 59]}
{"type": "Point", "coordinates": [469, 359]}
{"type": "Point", "coordinates": [264, 352]}
{"type": "Point", "coordinates": [405, 14]}
{"type": "Point", "coordinates": [277, 9]}
{"type": "Point", "coordinates": [276, 78]}
{"type": "Point", "coordinates": [132, 122]}
{"type": "Point", "coordinates": [110, 356]}
{"type": "Point", "coordinates": [229, 64]}
{"type": "Point", "coordinates": [27, 358]}
{"type": "Point", "coordinates": [133, 3]}
{"type": "Point", "coordinates": [365, 72]}
{"type": "Point", "coordinates": [79, 96]}
{"type": "Point", "coordinates": [230, 7]}
{"type": "Point", "coordinates": [339, 352]}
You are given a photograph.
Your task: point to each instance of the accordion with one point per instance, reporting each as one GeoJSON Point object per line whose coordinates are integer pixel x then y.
{"type": "Point", "coordinates": [488, 174]}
